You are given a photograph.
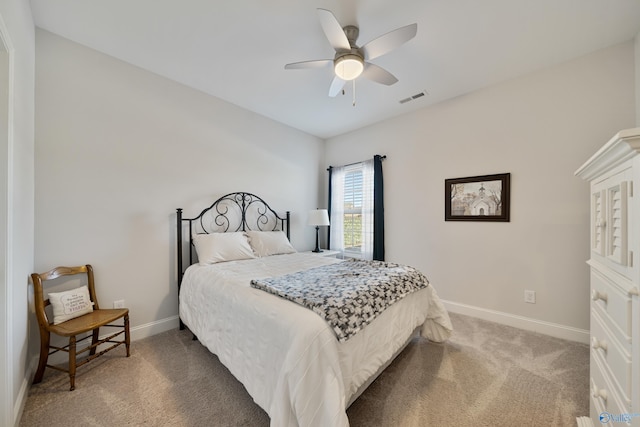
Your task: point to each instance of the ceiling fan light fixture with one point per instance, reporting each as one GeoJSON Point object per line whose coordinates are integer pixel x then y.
{"type": "Point", "coordinates": [349, 66]}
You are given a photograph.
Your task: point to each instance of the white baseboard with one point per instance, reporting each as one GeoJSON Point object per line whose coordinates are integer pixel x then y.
{"type": "Point", "coordinates": [21, 398]}
{"type": "Point", "coordinates": [153, 328]}
{"type": "Point", "coordinates": [552, 329]}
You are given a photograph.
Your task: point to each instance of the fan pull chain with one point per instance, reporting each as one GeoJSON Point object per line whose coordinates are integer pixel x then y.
{"type": "Point", "coordinates": [354, 92]}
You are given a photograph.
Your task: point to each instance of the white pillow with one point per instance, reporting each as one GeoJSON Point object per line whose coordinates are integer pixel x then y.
{"type": "Point", "coordinates": [219, 247]}
{"type": "Point", "coordinates": [70, 304]}
{"type": "Point", "coordinates": [265, 243]}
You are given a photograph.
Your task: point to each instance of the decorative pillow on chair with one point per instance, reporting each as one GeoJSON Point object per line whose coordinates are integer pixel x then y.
{"type": "Point", "coordinates": [70, 304]}
{"type": "Point", "coordinates": [219, 247]}
{"type": "Point", "coordinates": [265, 243]}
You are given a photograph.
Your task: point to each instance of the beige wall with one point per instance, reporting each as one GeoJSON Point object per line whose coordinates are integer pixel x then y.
{"type": "Point", "coordinates": [16, 194]}
{"type": "Point", "coordinates": [118, 149]}
{"type": "Point", "coordinates": [540, 128]}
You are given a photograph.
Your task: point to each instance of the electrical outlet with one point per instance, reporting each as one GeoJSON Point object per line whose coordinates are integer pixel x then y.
{"type": "Point", "coordinates": [530, 297]}
{"type": "Point", "coordinates": [118, 304]}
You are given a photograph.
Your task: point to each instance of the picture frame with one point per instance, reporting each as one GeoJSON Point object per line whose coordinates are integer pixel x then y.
{"type": "Point", "coordinates": [478, 198]}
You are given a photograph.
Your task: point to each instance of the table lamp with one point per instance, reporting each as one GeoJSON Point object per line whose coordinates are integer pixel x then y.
{"type": "Point", "coordinates": [318, 217]}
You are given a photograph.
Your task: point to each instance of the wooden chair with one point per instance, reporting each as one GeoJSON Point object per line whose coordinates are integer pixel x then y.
{"type": "Point", "coordinates": [90, 322]}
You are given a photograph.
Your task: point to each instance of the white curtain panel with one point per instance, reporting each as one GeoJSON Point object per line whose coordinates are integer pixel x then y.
{"type": "Point", "coordinates": [337, 208]}
{"type": "Point", "coordinates": [367, 209]}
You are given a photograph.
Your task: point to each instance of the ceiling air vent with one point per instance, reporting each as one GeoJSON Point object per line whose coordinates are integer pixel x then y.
{"type": "Point", "coordinates": [412, 97]}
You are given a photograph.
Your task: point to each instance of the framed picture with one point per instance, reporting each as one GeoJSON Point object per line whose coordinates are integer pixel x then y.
{"type": "Point", "coordinates": [477, 198]}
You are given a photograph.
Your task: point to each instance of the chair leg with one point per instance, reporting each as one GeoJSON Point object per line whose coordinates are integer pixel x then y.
{"type": "Point", "coordinates": [127, 338]}
{"type": "Point", "coordinates": [44, 356]}
{"type": "Point", "coordinates": [72, 362]}
{"type": "Point", "coordinates": [94, 340]}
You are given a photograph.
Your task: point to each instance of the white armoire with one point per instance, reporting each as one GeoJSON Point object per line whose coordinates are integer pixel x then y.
{"type": "Point", "coordinates": [614, 176]}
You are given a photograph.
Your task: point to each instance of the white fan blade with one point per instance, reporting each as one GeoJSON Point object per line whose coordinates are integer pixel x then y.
{"type": "Point", "coordinates": [308, 64]}
{"type": "Point", "coordinates": [378, 74]}
{"type": "Point", "coordinates": [388, 42]}
{"type": "Point", "coordinates": [333, 31]}
{"type": "Point", "coordinates": [336, 86]}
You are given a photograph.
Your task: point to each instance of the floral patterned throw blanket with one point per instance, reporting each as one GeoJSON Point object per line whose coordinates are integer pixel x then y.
{"type": "Point", "coordinates": [347, 295]}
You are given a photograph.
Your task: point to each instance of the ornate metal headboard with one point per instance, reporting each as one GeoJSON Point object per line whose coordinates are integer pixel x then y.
{"type": "Point", "coordinates": [234, 212]}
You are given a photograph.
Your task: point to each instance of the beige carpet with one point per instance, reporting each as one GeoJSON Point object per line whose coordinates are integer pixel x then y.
{"type": "Point", "coordinates": [485, 375]}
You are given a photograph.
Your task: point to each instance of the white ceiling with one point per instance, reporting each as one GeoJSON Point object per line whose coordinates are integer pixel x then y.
{"type": "Point", "coordinates": [236, 49]}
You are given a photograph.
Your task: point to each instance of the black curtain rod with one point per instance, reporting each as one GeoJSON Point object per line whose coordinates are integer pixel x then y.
{"type": "Point", "coordinates": [355, 163]}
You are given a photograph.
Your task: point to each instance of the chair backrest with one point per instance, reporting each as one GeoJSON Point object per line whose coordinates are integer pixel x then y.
{"type": "Point", "coordinates": [38, 292]}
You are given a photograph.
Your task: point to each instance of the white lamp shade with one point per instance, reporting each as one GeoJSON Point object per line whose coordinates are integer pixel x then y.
{"type": "Point", "coordinates": [318, 217]}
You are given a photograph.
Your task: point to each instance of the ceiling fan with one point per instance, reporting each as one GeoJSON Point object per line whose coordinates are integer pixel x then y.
{"type": "Point", "coordinates": [351, 61]}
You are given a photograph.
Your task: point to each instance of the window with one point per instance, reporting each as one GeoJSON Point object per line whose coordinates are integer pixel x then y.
{"type": "Point", "coordinates": [352, 218]}
{"type": "Point", "coordinates": [352, 210]}
{"type": "Point", "coordinates": [356, 203]}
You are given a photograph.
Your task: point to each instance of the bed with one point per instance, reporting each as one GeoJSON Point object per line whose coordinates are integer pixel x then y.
{"type": "Point", "coordinates": [290, 360]}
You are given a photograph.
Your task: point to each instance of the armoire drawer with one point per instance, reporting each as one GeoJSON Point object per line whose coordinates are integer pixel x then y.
{"type": "Point", "coordinates": [603, 394]}
{"type": "Point", "coordinates": [614, 303]}
{"type": "Point", "coordinates": [613, 356]}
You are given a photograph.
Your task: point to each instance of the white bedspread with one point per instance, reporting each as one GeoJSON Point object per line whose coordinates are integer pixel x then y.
{"type": "Point", "coordinates": [286, 356]}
